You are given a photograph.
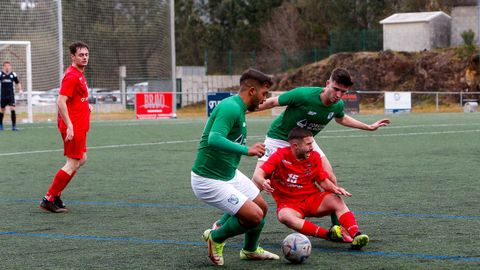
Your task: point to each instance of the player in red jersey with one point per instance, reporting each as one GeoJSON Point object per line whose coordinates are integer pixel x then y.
{"type": "Point", "coordinates": [291, 175]}
{"type": "Point", "coordinates": [73, 124]}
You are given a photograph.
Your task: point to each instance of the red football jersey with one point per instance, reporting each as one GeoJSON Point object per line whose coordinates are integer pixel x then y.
{"type": "Point", "coordinates": [293, 179]}
{"type": "Point", "coordinates": [74, 86]}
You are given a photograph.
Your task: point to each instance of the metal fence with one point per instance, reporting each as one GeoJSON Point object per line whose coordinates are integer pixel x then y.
{"type": "Point", "coordinates": [234, 62]}
{"type": "Point", "coordinates": [110, 105]}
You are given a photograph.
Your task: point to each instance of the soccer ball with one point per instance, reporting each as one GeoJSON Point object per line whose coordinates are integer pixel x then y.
{"type": "Point", "coordinates": [296, 247]}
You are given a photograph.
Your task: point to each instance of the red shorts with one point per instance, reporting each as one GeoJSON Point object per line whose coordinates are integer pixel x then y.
{"type": "Point", "coordinates": [307, 207]}
{"type": "Point", "coordinates": [76, 147]}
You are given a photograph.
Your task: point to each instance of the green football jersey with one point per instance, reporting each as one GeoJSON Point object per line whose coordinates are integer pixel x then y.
{"type": "Point", "coordinates": [304, 109]}
{"type": "Point", "coordinates": [223, 140]}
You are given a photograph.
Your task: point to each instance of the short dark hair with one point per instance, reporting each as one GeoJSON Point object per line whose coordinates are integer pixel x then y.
{"type": "Point", "coordinates": [77, 45]}
{"type": "Point", "coordinates": [256, 75]}
{"type": "Point", "coordinates": [341, 76]}
{"type": "Point", "coordinates": [298, 133]}
{"type": "Point", "coordinates": [6, 62]}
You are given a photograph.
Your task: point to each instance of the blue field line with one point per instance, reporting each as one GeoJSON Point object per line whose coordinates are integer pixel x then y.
{"type": "Point", "coordinates": [204, 206]}
{"type": "Point", "coordinates": [191, 243]}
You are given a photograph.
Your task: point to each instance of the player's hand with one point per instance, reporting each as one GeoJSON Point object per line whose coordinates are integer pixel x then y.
{"type": "Point", "coordinates": [379, 123]}
{"type": "Point", "coordinates": [266, 186]}
{"type": "Point", "coordinates": [257, 149]}
{"type": "Point", "coordinates": [90, 107]}
{"type": "Point", "coordinates": [69, 133]}
{"type": "Point", "coordinates": [341, 191]}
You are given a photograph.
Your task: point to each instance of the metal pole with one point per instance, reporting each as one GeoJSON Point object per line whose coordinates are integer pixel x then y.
{"type": "Point", "coordinates": [60, 40]}
{"type": "Point", "coordinates": [123, 88]}
{"type": "Point", "coordinates": [174, 64]}
{"type": "Point", "coordinates": [436, 102]}
{"type": "Point", "coordinates": [29, 82]}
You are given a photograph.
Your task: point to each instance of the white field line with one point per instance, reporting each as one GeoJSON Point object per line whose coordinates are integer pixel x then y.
{"type": "Point", "coordinates": [254, 136]}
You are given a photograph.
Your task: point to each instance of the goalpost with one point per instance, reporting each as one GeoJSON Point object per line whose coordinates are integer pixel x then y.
{"type": "Point", "coordinates": [4, 47]}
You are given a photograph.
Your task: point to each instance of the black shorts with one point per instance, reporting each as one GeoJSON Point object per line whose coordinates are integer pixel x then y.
{"type": "Point", "coordinates": [8, 101]}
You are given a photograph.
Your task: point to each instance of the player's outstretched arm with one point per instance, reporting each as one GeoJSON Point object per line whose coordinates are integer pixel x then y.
{"type": "Point", "coordinates": [329, 186]}
{"type": "Point", "coordinates": [268, 104]}
{"type": "Point", "coordinates": [354, 123]}
{"type": "Point", "coordinates": [259, 178]}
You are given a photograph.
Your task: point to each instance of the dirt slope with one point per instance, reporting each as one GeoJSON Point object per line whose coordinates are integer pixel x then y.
{"type": "Point", "coordinates": [440, 70]}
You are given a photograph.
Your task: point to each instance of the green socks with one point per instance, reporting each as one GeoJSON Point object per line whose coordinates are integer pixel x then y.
{"type": "Point", "coordinates": [334, 219]}
{"type": "Point", "coordinates": [223, 219]}
{"type": "Point", "coordinates": [229, 229]}
{"type": "Point", "coordinates": [252, 237]}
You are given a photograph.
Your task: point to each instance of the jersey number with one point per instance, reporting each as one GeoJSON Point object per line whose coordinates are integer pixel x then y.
{"type": "Point", "coordinates": [292, 178]}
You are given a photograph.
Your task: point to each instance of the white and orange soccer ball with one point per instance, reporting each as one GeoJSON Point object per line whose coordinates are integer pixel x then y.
{"type": "Point", "coordinates": [296, 247]}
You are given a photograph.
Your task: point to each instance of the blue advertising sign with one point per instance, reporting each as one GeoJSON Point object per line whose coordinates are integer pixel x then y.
{"type": "Point", "coordinates": [213, 98]}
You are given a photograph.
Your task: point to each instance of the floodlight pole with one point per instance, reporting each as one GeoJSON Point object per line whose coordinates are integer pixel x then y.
{"type": "Point", "coordinates": [60, 40]}
{"type": "Point", "coordinates": [173, 55]}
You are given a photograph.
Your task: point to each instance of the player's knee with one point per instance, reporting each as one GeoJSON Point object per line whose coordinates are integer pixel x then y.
{"type": "Point", "coordinates": [253, 220]}
{"type": "Point", "coordinates": [82, 161]}
{"type": "Point", "coordinates": [286, 220]}
{"type": "Point", "coordinates": [264, 207]}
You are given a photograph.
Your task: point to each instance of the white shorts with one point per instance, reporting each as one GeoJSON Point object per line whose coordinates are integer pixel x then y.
{"type": "Point", "coordinates": [271, 146]}
{"type": "Point", "coordinates": [229, 196]}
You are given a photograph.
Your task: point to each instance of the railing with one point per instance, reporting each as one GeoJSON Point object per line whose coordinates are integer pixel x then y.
{"type": "Point", "coordinates": [108, 106]}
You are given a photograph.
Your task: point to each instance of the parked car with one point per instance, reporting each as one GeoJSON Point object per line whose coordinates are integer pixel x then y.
{"type": "Point", "coordinates": [107, 96]}
{"type": "Point", "coordinates": [131, 90]}
{"type": "Point", "coordinates": [39, 98]}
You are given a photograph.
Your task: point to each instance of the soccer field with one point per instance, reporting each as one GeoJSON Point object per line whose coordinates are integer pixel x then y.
{"type": "Point", "coordinates": [415, 187]}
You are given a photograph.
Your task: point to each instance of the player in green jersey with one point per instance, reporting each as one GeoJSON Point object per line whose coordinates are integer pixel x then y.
{"type": "Point", "coordinates": [312, 108]}
{"type": "Point", "coordinates": [216, 180]}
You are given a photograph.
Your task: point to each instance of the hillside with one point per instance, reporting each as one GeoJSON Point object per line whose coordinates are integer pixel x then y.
{"type": "Point", "coordinates": [439, 70]}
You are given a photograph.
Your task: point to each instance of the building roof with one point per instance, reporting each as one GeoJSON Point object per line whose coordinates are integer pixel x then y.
{"type": "Point", "coordinates": [413, 17]}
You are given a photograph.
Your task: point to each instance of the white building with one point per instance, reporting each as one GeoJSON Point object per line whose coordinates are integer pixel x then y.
{"type": "Point", "coordinates": [465, 16]}
{"type": "Point", "coordinates": [416, 31]}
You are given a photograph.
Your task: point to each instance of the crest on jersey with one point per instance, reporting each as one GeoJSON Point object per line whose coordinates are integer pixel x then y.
{"type": "Point", "coordinates": [233, 199]}
{"type": "Point", "coordinates": [330, 115]}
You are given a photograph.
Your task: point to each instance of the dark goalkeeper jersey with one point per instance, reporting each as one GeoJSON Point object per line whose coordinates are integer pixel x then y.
{"type": "Point", "coordinates": [7, 81]}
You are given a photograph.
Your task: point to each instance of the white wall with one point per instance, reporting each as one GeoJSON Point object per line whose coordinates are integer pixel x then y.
{"type": "Point", "coordinates": [406, 36]}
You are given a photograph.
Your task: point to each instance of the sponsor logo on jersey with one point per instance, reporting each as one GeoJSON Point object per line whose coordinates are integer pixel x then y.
{"type": "Point", "coordinates": [311, 113]}
{"type": "Point", "coordinates": [84, 99]}
{"type": "Point", "coordinates": [233, 199]}
{"type": "Point", "coordinates": [286, 162]}
{"type": "Point", "coordinates": [302, 123]}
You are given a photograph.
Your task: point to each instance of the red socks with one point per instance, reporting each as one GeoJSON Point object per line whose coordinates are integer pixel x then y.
{"type": "Point", "coordinates": [60, 181]}
{"type": "Point", "coordinates": [348, 222]}
{"type": "Point", "coordinates": [313, 230]}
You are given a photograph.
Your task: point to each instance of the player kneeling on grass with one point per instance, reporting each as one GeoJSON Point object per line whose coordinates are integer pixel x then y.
{"type": "Point", "coordinates": [290, 175]}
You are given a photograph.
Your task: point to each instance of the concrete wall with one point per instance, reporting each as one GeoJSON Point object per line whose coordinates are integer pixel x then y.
{"type": "Point", "coordinates": [406, 36]}
{"type": "Point", "coordinates": [195, 88]}
{"type": "Point", "coordinates": [463, 19]}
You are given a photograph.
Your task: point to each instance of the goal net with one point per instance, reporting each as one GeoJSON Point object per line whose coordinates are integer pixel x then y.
{"type": "Point", "coordinates": [131, 35]}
